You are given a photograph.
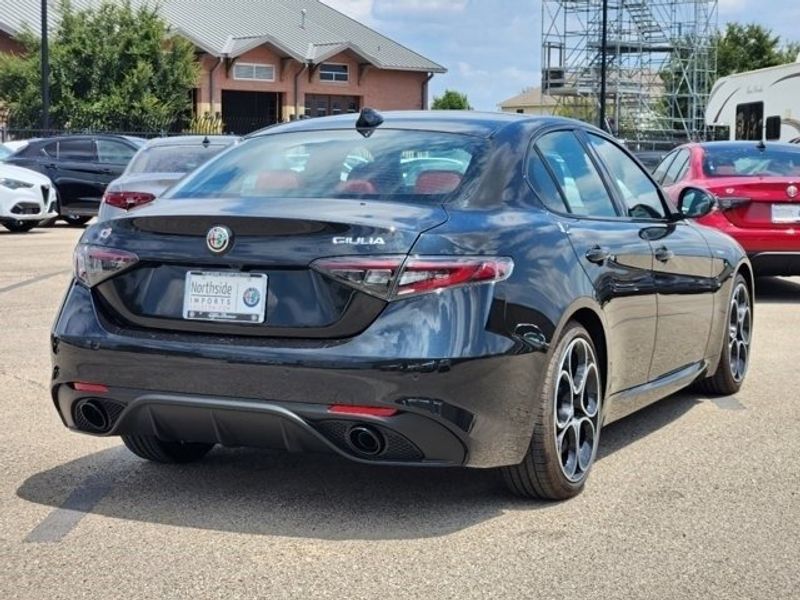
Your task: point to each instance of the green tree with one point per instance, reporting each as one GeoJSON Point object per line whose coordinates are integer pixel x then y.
{"type": "Point", "coordinates": [748, 47]}
{"type": "Point", "coordinates": [113, 67]}
{"type": "Point", "coordinates": [451, 100]}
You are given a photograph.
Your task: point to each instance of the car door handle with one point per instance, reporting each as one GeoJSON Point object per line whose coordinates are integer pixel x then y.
{"type": "Point", "coordinates": [597, 254]}
{"type": "Point", "coordinates": [664, 254]}
{"type": "Point", "coordinates": [106, 171]}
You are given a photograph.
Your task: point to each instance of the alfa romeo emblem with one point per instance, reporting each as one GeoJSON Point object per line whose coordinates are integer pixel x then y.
{"type": "Point", "coordinates": [219, 239]}
{"type": "Point", "coordinates": [791, 191]}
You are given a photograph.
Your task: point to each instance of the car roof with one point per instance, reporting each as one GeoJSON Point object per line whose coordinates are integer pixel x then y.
{"type": "Point", "coordinates": [481, 124]}
{"type": "Point", "coordinates": [188, 140]}
{"type": "Point", "coordinates": [746, 144]}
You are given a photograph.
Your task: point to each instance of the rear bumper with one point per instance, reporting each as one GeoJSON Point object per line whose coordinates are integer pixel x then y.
{"type": "Point", "coordinates": [473, 408]}
{"type": "Point", "coordinates": [757, 240]}
{"type": "Point", "coordinates": [784, 264]}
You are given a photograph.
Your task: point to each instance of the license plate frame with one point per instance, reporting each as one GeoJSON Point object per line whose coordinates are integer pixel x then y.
{"type": "Point", "coordinates": [224, 296]}
{"type": "Point", "coordinates": [785, 213]}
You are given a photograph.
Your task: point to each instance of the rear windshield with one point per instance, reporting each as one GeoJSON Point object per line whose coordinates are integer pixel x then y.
{"type": "Point", "coordinates": [173, 158]}
{"type": "Point", "coordinates": [749, 160]}
{"type": "Point", "coordinates": [389, 164]}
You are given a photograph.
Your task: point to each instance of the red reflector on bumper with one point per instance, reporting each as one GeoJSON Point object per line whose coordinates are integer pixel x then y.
{"type": "Point", "coordinates": [97, 388]}
{"type": "Point", "coordinates": [369, 411]}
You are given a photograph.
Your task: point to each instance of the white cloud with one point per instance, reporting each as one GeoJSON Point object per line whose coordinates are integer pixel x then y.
{"type": "Point", "coordinates": [467, 71]}
{"type": "Point", "coordinates": [361, 10]}
{"type": "Point", "coordinates": [419, 7]}
{"type": "Point", "coordinates": [729, 6]}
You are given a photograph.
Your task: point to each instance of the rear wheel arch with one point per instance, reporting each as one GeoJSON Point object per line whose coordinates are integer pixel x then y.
{"type": "Point", "coordinates": [594, 325]}
{"type": "Point", "coordinates": [747, 272]}
{"type": "Point", "coordinates": [590, 317]}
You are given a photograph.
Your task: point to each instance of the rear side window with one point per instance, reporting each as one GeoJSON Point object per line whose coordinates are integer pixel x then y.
{"type": "Point", "coordinates": [661, 169]}
{"type": "Point", "coordinates": [389, 164]}
{"type": "Point", "coordinates": [78, 150]}
{"type": "Point", "coordinates": [640, 194]}
{"type": "Point", "coordinates": [580, 183]}
{"type": "Point", "coordinates": [113, 152]}
{"type": "Point", "coordinates": [677, 170]}
{"type": "Point", "coordinates": [543, 184]}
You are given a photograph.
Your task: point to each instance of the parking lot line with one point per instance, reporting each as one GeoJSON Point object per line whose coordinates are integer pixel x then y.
{"type": "Point", "coordinates": [66, 517]}
{"type": "Point", "coordinates": [32, 280]}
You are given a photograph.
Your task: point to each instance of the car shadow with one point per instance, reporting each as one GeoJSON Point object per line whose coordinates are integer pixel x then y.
{"type": "Point", "coordinates": [308, 496]}
{"type": "Point", "coordinates": [777, 290]}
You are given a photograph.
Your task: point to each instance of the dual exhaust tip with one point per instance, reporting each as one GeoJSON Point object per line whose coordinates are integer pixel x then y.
{"type": "Point", "coordinates": [366, 440]}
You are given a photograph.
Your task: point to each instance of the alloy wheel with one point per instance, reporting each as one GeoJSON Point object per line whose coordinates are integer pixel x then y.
{"type": "Point", "coordinates": [577, 409]}
{"type": "Point", "coordinates": [739, 331]}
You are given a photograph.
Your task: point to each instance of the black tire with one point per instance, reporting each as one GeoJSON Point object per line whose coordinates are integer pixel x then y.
{"type": "Point", "coordinates": [160, 451]}
{"type": "Point", "coordinates": [725, 381]}
{"type": "Point", "coordinates": [20, 226]}
{"type": "Point", "coordinates": [540, 474]}
{"type": "Point", "coordinates": [76, 220]}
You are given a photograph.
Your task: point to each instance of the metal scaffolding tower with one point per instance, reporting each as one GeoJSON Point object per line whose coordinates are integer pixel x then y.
{"type": "Point", "coordinates": [660, 63]}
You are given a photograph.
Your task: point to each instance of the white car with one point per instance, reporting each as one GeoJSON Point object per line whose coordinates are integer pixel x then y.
{"type": "Point", "coordinates": [26, 198]}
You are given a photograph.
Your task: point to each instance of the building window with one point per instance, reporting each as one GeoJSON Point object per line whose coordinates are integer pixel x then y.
{"type": "Point", "coordinates": [520, 111]}
{"type": "Point", "coordinates": [335, 73]}
{"type": "Point", "coordinates": [253, 72]}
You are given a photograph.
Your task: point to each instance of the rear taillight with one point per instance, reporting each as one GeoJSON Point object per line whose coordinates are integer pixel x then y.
{"type": "Point", "coordinates": [393, 277]}
{"type": "Point", "coordinates": [95, 264]}
{"type": "Point", "coordinates": [127, 200]}
{"type": "Point", "coordinates": [729, 202]}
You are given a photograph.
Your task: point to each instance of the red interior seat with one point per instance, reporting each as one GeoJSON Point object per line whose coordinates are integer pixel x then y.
{"type": "Point", "coordinates": [437, 182]}
{"type": "Point", "coordinates": [277, 180]}
{"type": "Point", "coordinates": [357, 186]}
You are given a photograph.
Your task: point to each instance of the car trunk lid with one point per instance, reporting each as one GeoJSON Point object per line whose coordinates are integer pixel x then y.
{"type": "Point", "coordinates": [278, 239]}
{"type": "Point", "coordinates": [759, 202]}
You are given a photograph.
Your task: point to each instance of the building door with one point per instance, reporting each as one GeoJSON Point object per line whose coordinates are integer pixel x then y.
{"type": "Point", "coordinates": [244, 112]}
{"type": "Point", "coordinates": [322, 105]}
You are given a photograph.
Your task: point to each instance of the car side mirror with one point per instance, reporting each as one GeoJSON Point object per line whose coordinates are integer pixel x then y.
{"type": "Point", "coordinates": [695, 203]}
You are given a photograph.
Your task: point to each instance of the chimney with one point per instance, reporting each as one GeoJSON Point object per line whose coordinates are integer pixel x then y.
{"type": "Point", "coordinates": [303, 19]}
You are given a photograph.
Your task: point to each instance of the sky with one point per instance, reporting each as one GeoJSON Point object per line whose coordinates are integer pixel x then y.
{"type": "Point", "coordinates": [491, 48]}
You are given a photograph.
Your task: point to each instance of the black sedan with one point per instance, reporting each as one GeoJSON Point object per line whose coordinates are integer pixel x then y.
{"type": "Point", "coordinates": [80, 167]}
{"type": "Point", "coordinates": [494, 310]}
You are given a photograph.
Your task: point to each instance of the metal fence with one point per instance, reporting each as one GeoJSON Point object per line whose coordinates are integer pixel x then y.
{"type": "Point", "coordinates": [201, 125]}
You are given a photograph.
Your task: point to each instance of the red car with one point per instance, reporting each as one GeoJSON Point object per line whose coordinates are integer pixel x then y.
{"type": "Point", "coordinates": [757, 187]}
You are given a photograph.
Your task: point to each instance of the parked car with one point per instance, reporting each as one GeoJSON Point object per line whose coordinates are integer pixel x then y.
{"type": "Point", "coordinates": [80, 167]}
{"type": "Point", "coordinates": [26, 198]}
{"type": "Point", "coordinates": [497, 318]}
{"type": "Point", "coordinates": [757, 187]}
{"type": "Point", "coordinates": [650, 158]}
{"type": "Point", "coordinates": [14, 146]}
{"type": "Point", "coordinates": [156, 166]}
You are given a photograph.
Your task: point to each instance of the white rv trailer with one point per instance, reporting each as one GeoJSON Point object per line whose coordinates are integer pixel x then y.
{"type": "Point", "coordinates": [758, 105]}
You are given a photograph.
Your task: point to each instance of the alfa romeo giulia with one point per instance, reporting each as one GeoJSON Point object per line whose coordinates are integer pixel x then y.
{"type": "Point", "coordinates": [429, 289]}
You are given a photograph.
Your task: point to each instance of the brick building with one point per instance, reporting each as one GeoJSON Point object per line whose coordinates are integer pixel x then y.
{"type": "Point", "coordinates": [267, 61]}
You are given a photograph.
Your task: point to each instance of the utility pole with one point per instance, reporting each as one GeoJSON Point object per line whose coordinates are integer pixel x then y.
{"type": "Point", "coordinates": [45, 71]}
{"type": "Point", "coordinates": [603, 66]}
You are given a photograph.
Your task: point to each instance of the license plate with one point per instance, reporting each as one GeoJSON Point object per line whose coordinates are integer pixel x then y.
{"type": "Point", "coordinates": [239, 297]}
{"type": "Point", "coordinates": [786, 213]}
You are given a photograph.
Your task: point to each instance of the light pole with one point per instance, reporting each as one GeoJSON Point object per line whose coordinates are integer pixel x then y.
{"type": "Point", "coordinates": [603, 65]}
{"type": "Point", "coordinates": [45, 71]}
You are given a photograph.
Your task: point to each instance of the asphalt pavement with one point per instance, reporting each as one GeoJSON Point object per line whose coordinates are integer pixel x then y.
{"type": "Point", "coordinates": [693, 498]}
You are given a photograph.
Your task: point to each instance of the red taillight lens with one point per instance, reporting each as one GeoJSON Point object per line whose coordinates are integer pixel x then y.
{"type": "Point", "coordinates": [94, 264]}
{"type": "Point", "coordinates": [369, 411]}
{"type": "Point", "coordinates": [83, 386]}
{"type": "Point", "coordinates": [392, 277]}
{"type": "Point", "coordinates": [127, 200]}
